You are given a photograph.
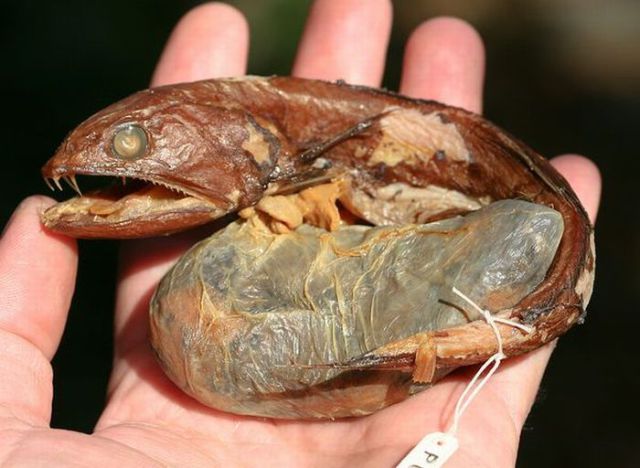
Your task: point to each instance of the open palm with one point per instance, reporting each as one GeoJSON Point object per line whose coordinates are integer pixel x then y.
{"type": "Point", "coordinates": [147, 420]}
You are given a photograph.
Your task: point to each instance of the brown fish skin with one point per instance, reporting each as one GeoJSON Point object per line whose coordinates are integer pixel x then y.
{"type": "Point", "coordinates": [225, 142]}
{"type": "Point", "coordinates": [228, 142]}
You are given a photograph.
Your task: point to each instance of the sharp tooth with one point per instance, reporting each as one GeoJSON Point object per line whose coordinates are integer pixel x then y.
{"type": "Point", "coordinates": [124, 180]}
{"type": "Point", "coordinates": [71, 180]}
{"type": "Point", "coordinates": [56, 180]}
{"type": "Point", "coordinates": [46, 181]}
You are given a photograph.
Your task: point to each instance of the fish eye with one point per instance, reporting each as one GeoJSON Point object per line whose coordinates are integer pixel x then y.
{"type": "Point", "coordinates": [129, 142]}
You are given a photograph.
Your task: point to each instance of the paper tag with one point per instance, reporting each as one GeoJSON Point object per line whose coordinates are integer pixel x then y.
{"type": "Point", "coordinates": [431, 452]}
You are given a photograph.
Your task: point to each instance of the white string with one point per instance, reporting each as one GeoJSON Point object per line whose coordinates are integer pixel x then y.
{"type": "Point", "coordinates": [472, 390]}
{"type": "Point", "coordinates": [437, 447]}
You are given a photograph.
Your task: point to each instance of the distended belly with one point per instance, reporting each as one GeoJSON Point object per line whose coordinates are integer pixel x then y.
{"type": "Point", "coordinates": [247, 313]}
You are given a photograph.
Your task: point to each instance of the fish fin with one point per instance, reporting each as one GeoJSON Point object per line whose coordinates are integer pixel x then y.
{"type": "Point", "coordinates": [313, 153]}
{"type": "Point", "coordinates": [304, 180]}
{"type": "Point", "coordinates": [425, 361]}
{"type": "Point", "coordinates": [320, 169]}
{"type": "Point", "coordinates": [368, 361]}
{"type": "Point", "coordinates": [416, 355]}
{"type": "Point", "coordinates": [420, 361]}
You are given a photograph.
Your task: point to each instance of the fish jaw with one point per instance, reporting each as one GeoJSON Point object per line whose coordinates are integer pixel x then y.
{"type": "Point", "coordinates": [132, 209]}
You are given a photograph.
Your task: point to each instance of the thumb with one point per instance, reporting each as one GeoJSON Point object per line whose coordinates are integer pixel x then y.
{"type": "Point", "coordinates": [37, 274]}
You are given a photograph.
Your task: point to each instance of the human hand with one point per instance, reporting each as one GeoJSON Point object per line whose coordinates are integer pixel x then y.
{"type": "Point", "coordinates": [147, 420]}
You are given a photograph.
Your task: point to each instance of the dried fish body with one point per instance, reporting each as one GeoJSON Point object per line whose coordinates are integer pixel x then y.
{"type": "Point", "coordinates": [211, 148]}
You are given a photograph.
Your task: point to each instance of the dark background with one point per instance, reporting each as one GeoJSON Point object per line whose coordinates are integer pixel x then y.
{"type": "Point", "coordinates": [563, 76]}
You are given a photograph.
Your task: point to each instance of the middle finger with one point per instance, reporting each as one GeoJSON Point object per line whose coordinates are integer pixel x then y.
{"type": "Point", "coordinates": [345, 40]}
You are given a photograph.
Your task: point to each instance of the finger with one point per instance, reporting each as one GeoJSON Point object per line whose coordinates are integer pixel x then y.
{"type": "Point", "coordinates": [211, 40]}
{"type": "Point", "coordinates": [37, 275]}
{"type": "Point", "coordinates": [519, 381]}
{"type": "Point", "coordinates": [444, 61]}
{"type": "Point", "coordinates": [584, 178]}
{"type": "Point", "coordinates": [345, 40]}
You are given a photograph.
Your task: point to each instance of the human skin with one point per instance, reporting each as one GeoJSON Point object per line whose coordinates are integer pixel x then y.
{"type": "Point", "coordinates": [147, 421]}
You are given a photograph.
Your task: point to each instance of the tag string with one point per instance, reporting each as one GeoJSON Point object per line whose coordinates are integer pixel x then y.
{"type": "Point", "coordinates": [437, 447]}
{"type": "Point", "coordinates": [478, 381]}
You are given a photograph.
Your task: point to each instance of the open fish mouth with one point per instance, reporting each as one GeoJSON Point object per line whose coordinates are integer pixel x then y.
{"type": "Point", "coordinates": [125, 207]}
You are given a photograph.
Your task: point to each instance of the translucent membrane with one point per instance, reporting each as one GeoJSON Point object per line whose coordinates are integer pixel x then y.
{"type": "Point", "coordinates": [246, 315]}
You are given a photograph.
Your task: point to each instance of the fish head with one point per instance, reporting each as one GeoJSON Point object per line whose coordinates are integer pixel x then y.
{"type": "Point", "coordinates": [190, 160]}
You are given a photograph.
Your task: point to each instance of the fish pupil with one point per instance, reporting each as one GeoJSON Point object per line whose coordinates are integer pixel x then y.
{"type": "Point", "coordinates": [129, 142]}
